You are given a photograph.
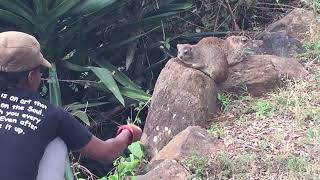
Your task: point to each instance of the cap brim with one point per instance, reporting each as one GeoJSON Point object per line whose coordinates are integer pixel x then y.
{"type": "Point", "coordinates": [45, 63]}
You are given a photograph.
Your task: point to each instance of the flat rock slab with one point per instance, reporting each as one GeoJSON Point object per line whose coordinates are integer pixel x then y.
{"type": "Point", "coordinates": [299, 23]}
{"type": "Point", "coordinates": [182, 97]}
{"type": "Point", "coordinates": [281, 44]}
{"type": "Point", "coordinates": [259, 73]}
{"type": "Point", "coordinates": [193, 140]}
{"type": "Point", "coordinates": [168, 169]}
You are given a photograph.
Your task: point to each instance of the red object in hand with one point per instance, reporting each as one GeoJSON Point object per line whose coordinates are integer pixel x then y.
{"type": "Point", "coordinates": [135, 131]}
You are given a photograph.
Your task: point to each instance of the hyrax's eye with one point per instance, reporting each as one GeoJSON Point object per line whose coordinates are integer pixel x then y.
{"type": "Point", "coordinates": [244, 40]}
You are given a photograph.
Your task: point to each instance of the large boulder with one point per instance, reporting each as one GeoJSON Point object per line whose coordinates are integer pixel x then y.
{"type": "Point", "coordinates": [299, 23]}
{"type": "Point", "coordinates": [168, 169]}
{"type": "Point", "coordinates": [259, 73]}
{"type": "Point", "coordinates": [280, 44]}
{"type": "Point", "coordinates": [182, 97]}
{"type": "Point", "coordinates": [192, 140]}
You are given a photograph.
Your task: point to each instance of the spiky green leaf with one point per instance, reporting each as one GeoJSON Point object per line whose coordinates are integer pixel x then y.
{"type": "Point", "coordinates": [61, 9]}
{"type": "Point", "coordinates": [106, 78]}
{"type": "Point", "coordinates": [12, 18]}
{"type": "Point", "coordinates": [82, 116]}
{"type": "Point", "coordinates": [41, 7]}
{"type": "Point", "coordinates": [54, 87]}
{"type": "Point", "coordinates": [118, 75]}
{"type": "Point", "coordinates": [78, 106]}
{"type": "Point", "coordinates": [91, 6]}
{"type": "Point", "coordinates": [19, 8]}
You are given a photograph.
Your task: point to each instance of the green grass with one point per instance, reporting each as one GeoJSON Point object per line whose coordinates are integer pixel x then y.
{"type": "Point", "coordinates": [197, 165]}
{"type": "Point", "coordinates": [263, 109]}
{"type": "Point", "coordinates": [224, 100]}
{"type": "Point", "coordinates": [281, 131]}
{"type": "Point", "coordinates": [216, 130]}
{"type": "Point", "coordinates": [237, 167]}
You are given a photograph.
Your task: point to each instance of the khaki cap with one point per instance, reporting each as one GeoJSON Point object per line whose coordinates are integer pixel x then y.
{"type": "Point", "coordinates": [20, 52]}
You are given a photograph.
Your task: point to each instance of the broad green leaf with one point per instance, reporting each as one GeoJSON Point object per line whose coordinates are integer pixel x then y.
{"type": "Point", "coordinates": [91, 6]}
{"type": "Point", "coordinates": [106, 77]}
{"type": "Point", "coordinates": [131, 90]}
{"type": "Point", "coordinates": [136, 150]}
{"type": "Point", "coordinates": [130, 166]}
{"type": "Point", "coordinates": [41, 7]}
{"type": "Point", "coordinates": [135, 94]}
{"type": "Point", "coordinates": [68, 174]}
{"type": "Point", "coordinates": [118, 75]}
{"type": "Point", "coordinates": [95, 19]}
{"type": "Point", "coordinates": [172, 8]}
{"type": "Point", "coordinates": [113, 177]}
{"type": "Point", "coordinates": [74, 67]}
{"type": "Point", "coordinates": [55, 98]}
{"type": "Point", "coordinates": [19, 8]}
{"type": "Point", "coordinates": [10, 17]}
{"type": "Point", "coordinates": [56, 3]}
{"type": "Point", "coordinates": [54, 87]}
{"type": "Point", "coordinates": [61, 9]}
{"type": "Point", "coordinates": [116, 45]}
{"type": "Point", "coordinates": [82, 116]}
{"type": "Point", "coordinates": [128, 40]}
{"type": "Point", "coordinates": [146, 22]}
{"type": "Point", "coordinates": [165, 2]}
{"type": "Point", "coordinates": [78, 106]}
{"type": "Point", "coordinates": [2, 29]}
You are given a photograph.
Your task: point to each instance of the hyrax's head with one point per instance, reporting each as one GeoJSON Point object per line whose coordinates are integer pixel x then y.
{"type": "Point", "coordinates": [240, 44]}
{"type": "Point", "coordinates": [236, 42]}
{"type": "Point", "coordinates": [184, 52]}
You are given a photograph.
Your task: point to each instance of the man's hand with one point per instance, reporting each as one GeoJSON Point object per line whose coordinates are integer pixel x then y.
{"type": "Point", "coordinates": [112, 148]}
{"type": "Point", "coordinates": [135, 131]}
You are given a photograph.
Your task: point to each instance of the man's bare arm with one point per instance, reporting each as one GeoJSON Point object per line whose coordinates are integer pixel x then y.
{"type": "Point", "coordinates": [107, 151]}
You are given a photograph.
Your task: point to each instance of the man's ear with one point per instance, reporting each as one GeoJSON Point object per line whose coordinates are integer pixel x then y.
{"type": "Point", "coordinates": [31, 77]}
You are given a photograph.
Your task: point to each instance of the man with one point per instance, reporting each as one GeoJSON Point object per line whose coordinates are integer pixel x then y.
{"type": "Point", "coordinates": [28, 123]}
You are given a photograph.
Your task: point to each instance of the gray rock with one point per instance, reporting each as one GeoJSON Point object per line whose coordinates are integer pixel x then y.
{"type": "Point", "coordinates": [168, 169]}
{"type": "Point", "coordinates": [281, 44]}
{"type": "Point", "coordinates": [300, 24]}
{"type": "Point", "coordinates": [192, 140]}
{"type": "Point", "coordinates": [182, 97]}
{"type": "Point", "coordinates": [260, 73]}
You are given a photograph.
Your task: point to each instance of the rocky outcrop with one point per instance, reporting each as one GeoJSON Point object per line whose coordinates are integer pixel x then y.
{"type": "Point", "coordinates": [168, 169]}
{"type": "Point", "coordinates": [182, 97]}
{"type": "Point", "coordinates": [260, 73]}
{"type": "Point", "coordinates": [185, 97]}
{"type": "Point", "coordinates": [280, 44]}
{"type": "Point", "coordinates": [192, 140]}
{"type": "Point", "coordinates": [300, 24]}
{"type": "Point", "coordinates": [285, 37]}
{"type": "Point", "coordinates": [273, 54]}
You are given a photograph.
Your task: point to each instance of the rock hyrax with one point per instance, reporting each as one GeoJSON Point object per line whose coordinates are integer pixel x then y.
{"type": "Point", "coordinates": [236, 48]}
{"type": "Point", "coordinates": [207, 56]}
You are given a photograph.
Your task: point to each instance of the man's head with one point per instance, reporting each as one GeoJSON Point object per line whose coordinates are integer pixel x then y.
{"type": "Point", "coordinates": [21, 59]}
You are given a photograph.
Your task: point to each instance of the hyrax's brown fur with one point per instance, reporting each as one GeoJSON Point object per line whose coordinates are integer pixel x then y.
{"type": "Point", "coordinates": [207, 56]}
{"type": "Point", "coordinates": [235, 47]}
{"type": "Point", "coordinates": [211, 55]}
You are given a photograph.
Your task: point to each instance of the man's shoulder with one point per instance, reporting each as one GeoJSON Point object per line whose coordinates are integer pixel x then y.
{"type": "Point", "coordinates": [51, 109]}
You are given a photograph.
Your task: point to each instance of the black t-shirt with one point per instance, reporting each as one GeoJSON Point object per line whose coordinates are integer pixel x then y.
{"type": "Point", "coordinates": [27, 125]}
